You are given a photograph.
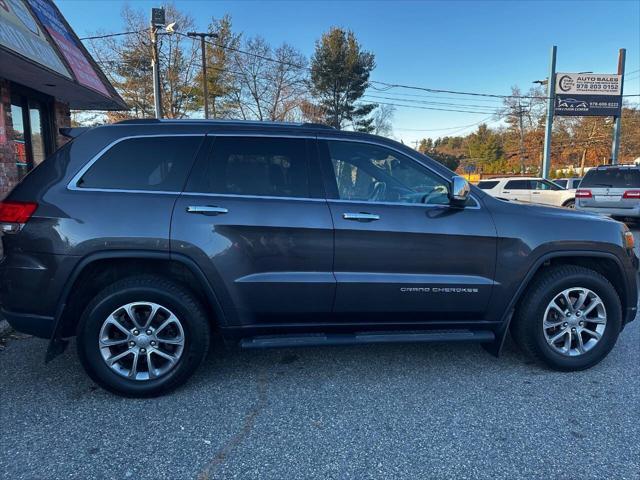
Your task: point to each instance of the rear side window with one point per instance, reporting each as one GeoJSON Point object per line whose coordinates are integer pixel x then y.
{"type": "Point", "coordinates": [255, 166]}
{"type": "Point", "coordinates": [562, 183]}
{"type": "Point", "coordinates": [612, 178]}
{"type": "Point", "coordinates": [487, 184]}
{"type": "Point", "coordinates": [145, 163]}
{"type": "Point", "coordinates": [518, 185]}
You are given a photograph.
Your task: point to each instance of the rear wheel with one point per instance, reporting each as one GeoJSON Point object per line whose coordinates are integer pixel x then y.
{"type": "Point", "coordinates": [142, 336]}
{"type": "Point", "coordinates": [569, 204]}
{"type": "Point", "coordinates": [569, 318]}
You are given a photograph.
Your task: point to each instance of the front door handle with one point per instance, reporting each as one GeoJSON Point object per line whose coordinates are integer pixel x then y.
{"type": "Point", "coordinates": [361, 217]}
{"type": "Point", "coordinates": [207, 210]}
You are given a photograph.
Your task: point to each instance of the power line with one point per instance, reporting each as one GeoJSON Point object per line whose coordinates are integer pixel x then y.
{"type": "Point", "coordinates": [378, 82]}
{"type": "Point", "coordinates": [109, 35]}
{"type": "Point", "coordinates": [424, 102]}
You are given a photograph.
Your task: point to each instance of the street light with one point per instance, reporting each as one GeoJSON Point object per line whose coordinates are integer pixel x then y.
{"type": "Point", "coordinates": [205, 92]}
{"type": "Point", "coordinates": [157, 22]}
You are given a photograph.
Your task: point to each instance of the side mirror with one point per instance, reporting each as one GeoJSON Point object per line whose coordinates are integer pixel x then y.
{"type": "Point", "coordinates": [459, 193]}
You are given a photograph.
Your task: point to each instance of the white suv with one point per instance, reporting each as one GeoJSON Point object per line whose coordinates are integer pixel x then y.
{"type": "Point", "coordinates": [529, 189]}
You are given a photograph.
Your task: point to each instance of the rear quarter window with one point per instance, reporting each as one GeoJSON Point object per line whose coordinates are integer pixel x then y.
{"type": "Point", "coordinates": [145, 163]}
{"type": "Point", "coordinates": [612, 178]}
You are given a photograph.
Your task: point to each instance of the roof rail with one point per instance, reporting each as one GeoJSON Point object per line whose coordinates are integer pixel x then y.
{"type": "Point", "coordinates": [317, 125]}
{"type": "Point", "coordinates": [138, 120]}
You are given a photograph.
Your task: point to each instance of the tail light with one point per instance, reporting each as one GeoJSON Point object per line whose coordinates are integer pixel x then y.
{"type": "Point", "coordinates": [631, 194]}
{"type": "Point", "coordinates": [584, 194]}
{"type": "Point", "coordinates": [15, 214]}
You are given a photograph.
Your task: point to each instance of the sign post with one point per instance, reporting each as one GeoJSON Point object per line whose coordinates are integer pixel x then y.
{"type": "Point", "coordinates": [551, 92]}
{"type": "Point", "coordinates": [615, 148]}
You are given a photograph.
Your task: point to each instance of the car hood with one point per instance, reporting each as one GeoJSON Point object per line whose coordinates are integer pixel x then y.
{"type": "Point", "coordinates": [551, 211]}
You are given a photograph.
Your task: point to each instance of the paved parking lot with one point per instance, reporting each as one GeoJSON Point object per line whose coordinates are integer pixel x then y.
{"type": "Point", "coordinates": [440, 411]}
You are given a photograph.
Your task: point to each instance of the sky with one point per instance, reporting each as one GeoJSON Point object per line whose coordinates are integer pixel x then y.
{"type": "Point", "coordinates": [471, 46]}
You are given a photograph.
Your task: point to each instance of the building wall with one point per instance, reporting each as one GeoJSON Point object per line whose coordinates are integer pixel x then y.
{"type": "Point", "coordinates": [8, 169]}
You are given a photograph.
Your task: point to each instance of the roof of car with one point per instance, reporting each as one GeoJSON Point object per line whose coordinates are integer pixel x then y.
{"type": "Point", "coordinates": [239, 123]}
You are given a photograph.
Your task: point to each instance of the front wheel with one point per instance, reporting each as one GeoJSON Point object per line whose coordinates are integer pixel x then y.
{"type": "Point", "coordinates": [569, 318]}
{"type": "Point", "coordinates": [142, 336]}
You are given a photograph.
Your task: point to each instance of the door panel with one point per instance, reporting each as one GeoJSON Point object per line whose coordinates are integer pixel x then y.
{"type": "Point", "coordinates": [268, 257]}
{"type": "Point", "coordinates": [519, 190]}
{"type": "Point", "coordinates": [397, 258]}
{"type": "Point", "coordinates": [429, 260]}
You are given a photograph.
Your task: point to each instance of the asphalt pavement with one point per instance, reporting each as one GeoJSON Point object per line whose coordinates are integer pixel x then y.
{"type": "Point", "coordinates": [392, 411]}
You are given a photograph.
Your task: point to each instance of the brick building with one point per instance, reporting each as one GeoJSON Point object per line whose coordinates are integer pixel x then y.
{"type": "Point", "coordinates": [44, 72]}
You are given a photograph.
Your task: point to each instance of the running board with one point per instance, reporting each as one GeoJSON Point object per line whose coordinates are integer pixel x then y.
{"type": "Point", "coordinates": [364, 338]}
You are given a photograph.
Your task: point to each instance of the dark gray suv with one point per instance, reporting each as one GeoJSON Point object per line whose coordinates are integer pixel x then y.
{"type": "Point", "coordinates": [145, 238]}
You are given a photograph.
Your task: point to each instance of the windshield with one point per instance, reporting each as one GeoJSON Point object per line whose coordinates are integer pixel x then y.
{"type": "Point", "coordinates": [612, 178]}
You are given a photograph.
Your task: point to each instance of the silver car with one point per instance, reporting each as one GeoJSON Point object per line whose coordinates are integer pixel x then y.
{"type": "Point", "coordinates": [611, 190]}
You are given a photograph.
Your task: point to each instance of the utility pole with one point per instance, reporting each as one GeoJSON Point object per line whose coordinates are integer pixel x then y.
{"type": "Point", "coordinates": [551, 93]}
{"type": "Point", "coordinates": [520, 114]}
{"type": "Point", "coordinates": [157, 20]}
{"type": "Point", "coordinates": [203, 47]}
{"type": "Point", "coordinates": [615, 148]}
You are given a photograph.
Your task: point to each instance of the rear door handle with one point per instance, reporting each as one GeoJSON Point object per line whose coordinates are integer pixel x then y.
{"type": "Point", "coordinates": [207, 210]}
{"type": "Point", "coordinates": [361, 217]}
{"type": "Point", "coordinates": [535, 193]}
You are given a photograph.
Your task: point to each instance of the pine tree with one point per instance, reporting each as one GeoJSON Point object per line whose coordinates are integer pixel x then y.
{"type": "Point", "coordinates": [340, 72]}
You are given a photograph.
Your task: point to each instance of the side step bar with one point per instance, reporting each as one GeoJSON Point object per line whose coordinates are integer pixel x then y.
{"type": "Point", "coordinates": [364, 338]}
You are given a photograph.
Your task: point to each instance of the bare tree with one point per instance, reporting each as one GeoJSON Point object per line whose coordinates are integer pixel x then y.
{"type": "Point", "coordinates": [270, 84]}
{"type": "Point", "coordinates": [126, 60]}
{"type": "Point", "coordinates": [382, 120]}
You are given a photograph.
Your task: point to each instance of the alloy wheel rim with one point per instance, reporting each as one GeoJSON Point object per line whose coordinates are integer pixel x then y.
{"type": "Point", "coordinates": [141, 341]}
{"type": "Point", "coordinates": [574, 321]}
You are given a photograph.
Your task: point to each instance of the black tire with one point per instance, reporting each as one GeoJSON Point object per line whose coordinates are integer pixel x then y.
{"type": "Point", "coordinates": [147, 288]}
{"type": "Point", "coordinates": [526, 327]}
{"type": "Point", "coordinates": [569, 204]}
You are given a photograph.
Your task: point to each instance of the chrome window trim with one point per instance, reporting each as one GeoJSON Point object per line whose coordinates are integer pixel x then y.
{"type": "Point", "coordinates": [405, 204]}
{"type": "Point", "coordinates": [73, 183]}
{"type": "Point", "coordinates": [261, 197]}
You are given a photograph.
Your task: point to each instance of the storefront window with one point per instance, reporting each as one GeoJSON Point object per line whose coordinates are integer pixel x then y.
{"type": "Point", "coordinates": [37, 137]}
{"type": "Point", "coordinates": [31, 143]}
{"type": "Point", "coordinates": [19, 138]}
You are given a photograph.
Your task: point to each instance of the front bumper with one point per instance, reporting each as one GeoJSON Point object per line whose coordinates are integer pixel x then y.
{"type": "Point", "coordinates": [37, 325]}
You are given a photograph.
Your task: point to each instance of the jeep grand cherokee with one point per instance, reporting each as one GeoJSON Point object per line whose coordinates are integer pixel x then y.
{"type": "Point", "coordinates": [145, 238]}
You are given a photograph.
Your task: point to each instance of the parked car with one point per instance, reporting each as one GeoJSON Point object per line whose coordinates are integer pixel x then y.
{"type": "Point", "coordinates": [568, 183]}
{"type": "Point", "coordinates": [529, 189]}
{"type": "Point", "coordinates": [611, 190]}
{"type": "Point", "coordinates": [146, 238]}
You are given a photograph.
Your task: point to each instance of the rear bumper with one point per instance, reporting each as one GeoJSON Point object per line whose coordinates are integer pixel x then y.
{"type": "Point", "coordinates": [37, 325]}
{"type": "Point", "coordinates": [611, 211]}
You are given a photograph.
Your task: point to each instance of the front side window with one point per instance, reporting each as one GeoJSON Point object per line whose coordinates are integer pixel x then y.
{"type": "Point", "coordinates": [370, 173]}
{"type": "Point", "coordinates": [518, 185]}
{"type": "Point", "coordinates": [545, 185]}
{"type": "Point", "coordinates": [254, 166]}
{"type": "Point", "coordinates": [145, 163]}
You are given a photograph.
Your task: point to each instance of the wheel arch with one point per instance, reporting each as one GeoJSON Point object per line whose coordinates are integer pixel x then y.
{"type": "Point", "coordinates": [605, 263]}
{"type": "Point", "coordinates": [96, 271]}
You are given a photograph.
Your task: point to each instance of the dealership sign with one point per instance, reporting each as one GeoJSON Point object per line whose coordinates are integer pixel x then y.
{"type": "Point", "coordinates": [588, 94]}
